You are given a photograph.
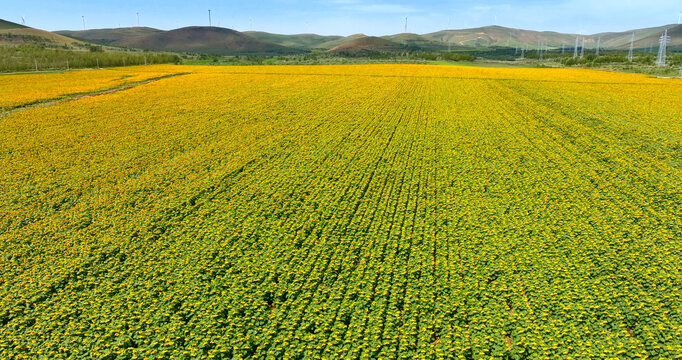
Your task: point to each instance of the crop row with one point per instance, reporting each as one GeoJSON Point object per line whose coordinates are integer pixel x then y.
{"type": "Point", "coordinates": [436, 213]}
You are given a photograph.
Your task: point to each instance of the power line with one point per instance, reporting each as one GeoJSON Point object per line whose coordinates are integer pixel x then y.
{"type": "Point", "coordinates": [662, 49]}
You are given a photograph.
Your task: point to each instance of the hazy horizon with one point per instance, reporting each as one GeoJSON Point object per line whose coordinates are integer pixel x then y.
{"type": "Point", "coordinates": [346, 17]}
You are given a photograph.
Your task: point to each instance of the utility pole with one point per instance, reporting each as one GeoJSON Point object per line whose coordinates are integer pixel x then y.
{"type": "Point", "coordinates": [663, 49]}
{"type": "Point", "coordinates": [209, 17]}
{"type": "Point", "coordinates": [632, 45]}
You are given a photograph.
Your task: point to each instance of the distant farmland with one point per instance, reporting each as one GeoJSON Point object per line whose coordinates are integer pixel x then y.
{"type": "Point", "coordinates": [340, 212]}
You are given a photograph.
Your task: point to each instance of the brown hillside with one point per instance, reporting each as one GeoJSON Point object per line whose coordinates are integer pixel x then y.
{"type": "Point", "coordinates": [334, 43]}
{"type": "Point", "coordinates": [502, 36]}
{"type": "Point", "coordinates": [644, 38]}
{"type": "Point", "coordinates": [109, 36]}
{"type": "Point", "coordinates": [368, 44]}
{"type": "Point", "coordinates": [27, 35]}
{"type": "Point", "coordinates": [202, 39]}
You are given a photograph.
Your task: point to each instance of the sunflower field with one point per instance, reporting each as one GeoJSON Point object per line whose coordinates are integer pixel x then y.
{"type": "Point", "coordinates": [341, 212]}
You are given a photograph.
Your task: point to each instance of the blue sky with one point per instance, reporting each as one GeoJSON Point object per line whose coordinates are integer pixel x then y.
{"type": "Point", "coordinates": [345, 17]}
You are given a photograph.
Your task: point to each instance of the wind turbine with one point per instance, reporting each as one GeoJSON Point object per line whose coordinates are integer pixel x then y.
{"type": "Point", "coordinates": [83, 16]}
{"type": "Point", "coordinates": [23, 21]}
{"type": "Point", "coordinates": [209, 17]}
{"type": "Point", "coordinates": [138, 18]}
{"type": "Point", "coordinates": [405, 24]}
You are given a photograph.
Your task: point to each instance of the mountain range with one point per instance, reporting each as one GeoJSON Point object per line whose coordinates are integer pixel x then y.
{"type": "Point", "coordinates": [222, 41]}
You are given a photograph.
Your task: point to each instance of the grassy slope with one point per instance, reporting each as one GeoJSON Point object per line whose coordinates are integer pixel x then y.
{"type": "Point", "coordinates": [341, 41]}
{"type": "Point", "coordinates": [300, 41]}
{"type": "Point", "coordinates": [4, 24]}
{"type": "Point", "coordinates": [28, 35]}
{"type": "Point", "coordinates": [212, 40]}
{"type": "Point", "coordinates": [109, 36]}
{"type": "Point", "coordinates": [644, 38]}
{"type": "Point", "coordinates": [20, 34]}
{"type": "Point", "coordinates": [501, 36]}
{"type": "Point", "coordinates": [368, 44]}
{"type": "Point", "coordinates": [415, 40]}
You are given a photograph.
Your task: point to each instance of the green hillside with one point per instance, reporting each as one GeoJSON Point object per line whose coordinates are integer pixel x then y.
{"type": "Point", "coordinates": [340, 41]}
{"type": "Point", "coordinates": [417, 41]}
{"type": "Point", "coordinates": [299, 41]}
{"type": "Point", "coordinates": [4, 24]}
{"type": "Point", "coordinates": [368, 45]}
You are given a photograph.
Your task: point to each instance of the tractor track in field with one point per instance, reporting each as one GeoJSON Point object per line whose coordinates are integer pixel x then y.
{"type": "Point", "coordinates": [6, 111]}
